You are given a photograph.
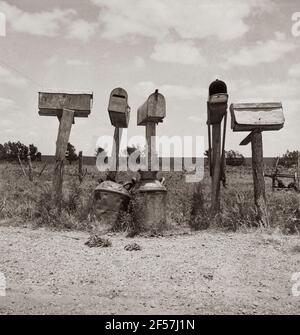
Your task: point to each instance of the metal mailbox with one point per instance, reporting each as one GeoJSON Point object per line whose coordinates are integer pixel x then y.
{"type": "Point", "coordinates": [217, 102]}
{"type": "Point", "coordinates": [153, 110]}
{"type": "Point", "coordinates": [256, 116]}
{"type": "Point", "coordinates": [52, 104]}
{"type": "Point", "coordinates": [118, 108]}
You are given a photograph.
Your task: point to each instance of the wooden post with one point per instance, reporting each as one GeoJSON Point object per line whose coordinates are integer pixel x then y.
{"type": "Point", "coordinates": [64, 131]}
{"type": "Point", "coordinates": [116, 153]}
{"type": "Point", "coordinates": [80, 164]}
{"type": "Point", "coordinates": [151, 147]}
{"type": "Point", "coordinates": [298, 186]}
{"type": "Point", "coordinates": [30, 167]}
{"type": "Point", "coordinates": [258, 177]}
{"type": "Point", "coordinates": [216, 169]}
{"type": "Point", "coordinates": [20, 162]}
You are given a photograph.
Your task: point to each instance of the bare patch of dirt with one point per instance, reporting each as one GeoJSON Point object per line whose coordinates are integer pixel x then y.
{"type": "Point", "coordinates": [201, 273]}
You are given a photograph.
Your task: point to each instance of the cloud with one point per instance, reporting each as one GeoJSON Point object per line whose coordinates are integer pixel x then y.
{"type": "Point", "coordinates": [77, 62]}
{"type": "Point", "coordinates": [189, 19]}
{"type": "Point", "coordinates": [81, 30]}
{"type": "Point", "coordinates": [181, 52]}
{"type": "Point", "coordinates": [145, 88]}
{"type": "Point", "coordinates": [8, 77]}
{"type": "Point", "coordinates": [262, 52]}
{"type": "Point", "coordinates": [139, 62]}
{"type": "Point", "coordinates": [294, 71]}
{"type": "Point", "coordinates": [7, 105]}
{"type": "Point", "coordinates": [40, 24]}
{"type": "Point", "coordinates": [195, 119]}
{"type": "Point", "coordinates": [49, 23]}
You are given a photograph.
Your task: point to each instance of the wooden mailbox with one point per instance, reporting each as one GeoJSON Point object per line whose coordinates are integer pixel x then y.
{"type": "Point", "coordinates": [52, 104]}
{"type": "Point", "coordinates": [256, 116]}
{"type": "Point", "coordinates": [153, 110]}
{"type": "Point", "coordinates": [118, 109]}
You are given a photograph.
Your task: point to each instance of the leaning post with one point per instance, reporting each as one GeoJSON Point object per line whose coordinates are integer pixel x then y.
{"type": "Point", "coordinates": [216, 112]}
{"type": "Point", "coordinates": [64, 106]}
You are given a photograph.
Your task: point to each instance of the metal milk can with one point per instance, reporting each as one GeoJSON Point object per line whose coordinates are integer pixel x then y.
{"type": "Point", "coordinates": [150, 202]}
{"type": "Point", "coordinates": [111, 199]}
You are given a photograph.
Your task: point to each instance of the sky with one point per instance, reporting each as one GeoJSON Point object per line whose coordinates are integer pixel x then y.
{"type": "Point", "coordinates": [176, 46]}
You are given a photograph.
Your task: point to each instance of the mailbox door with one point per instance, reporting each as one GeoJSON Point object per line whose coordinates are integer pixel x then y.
{"type": "Point", "coordinates": [118, 108]}
{"type": "Point", "coordinates": [261, 116]}
{"type": "Point", "coordinates": [153, 110]}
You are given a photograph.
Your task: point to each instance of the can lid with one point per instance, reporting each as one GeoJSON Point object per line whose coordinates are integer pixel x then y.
{"type": "Point", "coordinates": [151, 186]}
{"type": "Point", "coordinates": [111, 186]}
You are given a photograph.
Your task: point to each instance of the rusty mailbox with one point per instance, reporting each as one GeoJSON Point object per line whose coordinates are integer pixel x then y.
{"type": "Point", "coordinates": [217, 102]}
{"type": "Point", "coordinates": [153, 110]}
{"type": "Point", "coordinates": [118, 109]}
{"type": "Point", "coordinates": [256, 116]}
{"type": "Point", "coordinates": [52, 104]}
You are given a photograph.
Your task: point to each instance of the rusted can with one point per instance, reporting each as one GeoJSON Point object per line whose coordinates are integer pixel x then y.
{"type": "Point", "coordinates": [111, 199]}
{"type": "Point", "coordinates": [150, 203]}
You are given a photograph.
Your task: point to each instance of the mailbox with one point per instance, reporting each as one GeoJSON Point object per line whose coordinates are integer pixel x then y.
{"type": "Point", "coordinates": [118, 108]}
{"type": "Point", "coordinates": [217, 102]}
{"type": "Point", "coordinates": [256, 116]}
{"type": "Point", "coordinates": [52, 104]}
{"type": "Point", "coordinates": [153, 110]}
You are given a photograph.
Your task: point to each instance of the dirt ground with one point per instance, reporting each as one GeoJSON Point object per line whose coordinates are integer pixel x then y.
{"type": "Point", "coordinates": [196, 273]}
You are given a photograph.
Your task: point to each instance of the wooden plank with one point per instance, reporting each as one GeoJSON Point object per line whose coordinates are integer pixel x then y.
{"type": "Point", "coordinates": [61, 148]}
{"type": "Point", "coordinates": [116, 154]}
{"type": "Point", "coordinates": [247, 117]}
{"type": "Point", "coordinates": [58, 112]}
{"type": "Point", "coordinates": [247, 139]}
{"type": "Point", "coordinates": [80, 166]}
{"type": "Point", "coordinates": [258, 178]}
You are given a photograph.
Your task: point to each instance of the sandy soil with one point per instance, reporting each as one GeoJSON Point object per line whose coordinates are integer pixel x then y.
{"type": "Point", "coordinates": [205, 273]}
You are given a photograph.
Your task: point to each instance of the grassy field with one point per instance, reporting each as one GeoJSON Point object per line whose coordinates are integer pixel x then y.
{"type": "Point", "coordinates": [236, 266]}
{"type": "Point", "coordinates": [22, 201]}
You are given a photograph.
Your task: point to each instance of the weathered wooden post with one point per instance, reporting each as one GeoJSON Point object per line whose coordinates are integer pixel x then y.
{"type": "Point", "coordinates": [30, 174]}
{"type": "Point", "coordinates": [151, 193]}
{"type": "Point", "coordinates": [80, 165]}
{"type": "Point", "coordinates": [257, 117]}
{"type": "Point", "coordinates": [119, 114]}
{"type": "Point", "coordinates": [216, 112]}
{"type": "Point", "coordinates": [65, 107]}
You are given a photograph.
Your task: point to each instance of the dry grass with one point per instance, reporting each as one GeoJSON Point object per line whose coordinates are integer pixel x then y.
{"type": "Point", "coordinates": [22, 201]}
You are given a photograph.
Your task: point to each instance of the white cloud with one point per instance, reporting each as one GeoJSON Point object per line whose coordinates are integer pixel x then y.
{"type": "Point", "coordinates": [195, 119]}
{"type": "Point", "coordinates": [8, 77]}
{"type": "Point", "coordinates": [181, 52]}
{"type": "Point", "coordinates": [40, 24]}
{"type": "Point", "coordinates": [139, 62]}
{"type": "Point", "coordinates": [7, 105]}
{"type": "Point", "coordinates": [77, 62]}
{"type": "Point", "coordinates": [81, 30]}
{"type": "Point", "coordinates": [145, 88]}
{"type": "Point", "coordinates": [49, 23]}
{"type": "Point", "coordinates": [262, 52]}
{"type": "Point", "coordinates": [294, 71]}
{"type": "Point", "coordinates": [189, 19]}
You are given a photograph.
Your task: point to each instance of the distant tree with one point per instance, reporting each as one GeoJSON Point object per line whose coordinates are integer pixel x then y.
{"type": "Point", "coordinates": [71, 155]}
{"type": "Point", "coordinates": [289, 159]}
{"type": "Point", "coordinates": [234, 158]}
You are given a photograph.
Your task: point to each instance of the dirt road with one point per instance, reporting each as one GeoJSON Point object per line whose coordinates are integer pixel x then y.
{"type": "Point", "coordinates": [204, 273]}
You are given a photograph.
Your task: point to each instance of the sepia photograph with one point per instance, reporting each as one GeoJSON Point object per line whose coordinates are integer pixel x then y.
{"type": "Point", "coordinates": [149, 160]}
